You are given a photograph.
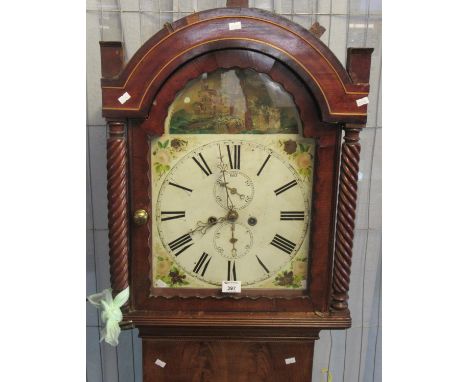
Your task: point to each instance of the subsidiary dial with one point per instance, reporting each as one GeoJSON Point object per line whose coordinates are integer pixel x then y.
{"type": "Point", "coordinates": [233, 240]}
{"type": "Point", "coordinates": [239, 187]}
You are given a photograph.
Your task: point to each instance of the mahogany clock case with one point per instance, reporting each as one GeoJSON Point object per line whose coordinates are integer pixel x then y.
{"type": "Point", "coordinates": [326, 157]}
{"type": "Point", "coordinates": [325, 95]}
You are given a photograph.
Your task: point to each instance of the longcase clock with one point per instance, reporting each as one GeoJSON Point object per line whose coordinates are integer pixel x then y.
{"type": "Point", "coordinates": [233, 150]}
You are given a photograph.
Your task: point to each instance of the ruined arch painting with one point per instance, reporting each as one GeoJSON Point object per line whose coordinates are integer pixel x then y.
{"type": "Point", "coordinates": [233, 101]}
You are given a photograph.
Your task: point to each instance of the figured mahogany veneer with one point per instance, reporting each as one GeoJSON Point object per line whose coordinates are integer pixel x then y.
{"type": "Point", "coordinates": [232, 361]}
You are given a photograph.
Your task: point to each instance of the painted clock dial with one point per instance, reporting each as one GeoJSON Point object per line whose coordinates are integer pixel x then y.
{"type": "Point", "coordinates": [232, 210]}
{"type": "Point", "coordinates": [231, 206]}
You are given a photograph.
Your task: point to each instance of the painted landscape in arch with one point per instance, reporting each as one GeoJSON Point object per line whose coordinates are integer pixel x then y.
{"type": "Point", "coordinates": [235, 101]}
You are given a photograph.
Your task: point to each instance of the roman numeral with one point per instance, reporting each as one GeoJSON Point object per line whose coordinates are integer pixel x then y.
{"type": "Point", "coordinates": [180, 242]}
{"type": "Point", "coordinates": [263, 265]}
{"type": "Point", "coordinates": [181, 187]}
{"type": "Point", "coordinates": [284, 244]}
{"type": "Point", "coordinates": [292, 215]}
{"type": "Point", "coordinates": [172, 215]}
{"type": "Point", "coordinates": [286, 187]}
{"type": "Point", "coordinates": [235, 164]}
{"type": "Point", "coordinates": [263, 165]}
{"type": "Point", "coordinates": [200, 263]}
{"type": "Point", "coordinates": [232, 271]}
{"type": "Point", "coordinates": [203, 166]}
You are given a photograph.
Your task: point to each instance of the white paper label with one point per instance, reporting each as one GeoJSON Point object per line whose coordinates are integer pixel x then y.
{"type": "Point", "coordinates": [290, 360]}
{"type": "Point", "coordinates": [231, 286]}
{"type": "Point", "coordinates": [362, 101]}
{"type": "Point", "coordinates": [234, 26]}
{"type": "Point", "coordinates": [160, 363]}
{"type": "Point", "coordinates": [124, 98]}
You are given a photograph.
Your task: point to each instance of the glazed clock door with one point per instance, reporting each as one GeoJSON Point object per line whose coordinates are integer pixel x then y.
{"type": "Point", "coordinates": [231, 188]}
{"type": "Point", "coordinates": [235, 170]}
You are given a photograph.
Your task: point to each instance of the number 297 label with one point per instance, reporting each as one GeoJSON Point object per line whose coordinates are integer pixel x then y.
{"type": "Point", "coordinates": [231, 286]}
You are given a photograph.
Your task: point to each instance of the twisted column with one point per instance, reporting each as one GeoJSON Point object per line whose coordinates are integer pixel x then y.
{"type": "Point", "coordinates": [346, 214]}
{"type": "Point", "coordinates": [117, 205]}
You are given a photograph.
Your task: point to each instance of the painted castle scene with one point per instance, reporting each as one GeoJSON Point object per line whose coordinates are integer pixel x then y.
{"type": "Point", "coordinates": [236, 101]}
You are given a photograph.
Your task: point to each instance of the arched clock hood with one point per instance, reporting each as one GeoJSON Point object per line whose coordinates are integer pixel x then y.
{"type": "Point", "coordinates": [335, 89]}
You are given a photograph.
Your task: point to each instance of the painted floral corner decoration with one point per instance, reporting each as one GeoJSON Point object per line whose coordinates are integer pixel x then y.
{"type": "Point", "coordinates": [287, 279]}
{"type": "Point", "coordinates": [169, 273]}
{"type": "Point", "coordinates": [163, 265]}
{"type": "Point", "coordinates": [175, 277]}
{"type": "Point", "coordinates": [294, 277]}
{"type": "Point", "coordinates": [178, 144]}
{"type": "Point", "coordinates": [165, 152]}
{"type": "Point", "coordinates": [162, 157]}
{"type": "Point", "coordinates": [302, 155]}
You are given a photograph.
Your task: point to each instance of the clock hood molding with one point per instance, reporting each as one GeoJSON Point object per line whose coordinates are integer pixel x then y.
{"type": "Point", "coordinates": [335, 89]}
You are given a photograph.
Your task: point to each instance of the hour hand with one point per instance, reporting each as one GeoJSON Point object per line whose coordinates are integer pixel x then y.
{"type": "Point", "coordinates": [202, 227]}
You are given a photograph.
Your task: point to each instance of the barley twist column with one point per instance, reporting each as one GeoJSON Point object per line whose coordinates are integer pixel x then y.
{"type": "Point", "coordinates": [346, 214]}
{"type": "Point", "coordinates": [117, 205]}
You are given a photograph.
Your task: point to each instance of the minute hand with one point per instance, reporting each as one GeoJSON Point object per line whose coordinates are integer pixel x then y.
{"type": "Point", "coordinates": [223, 167]}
